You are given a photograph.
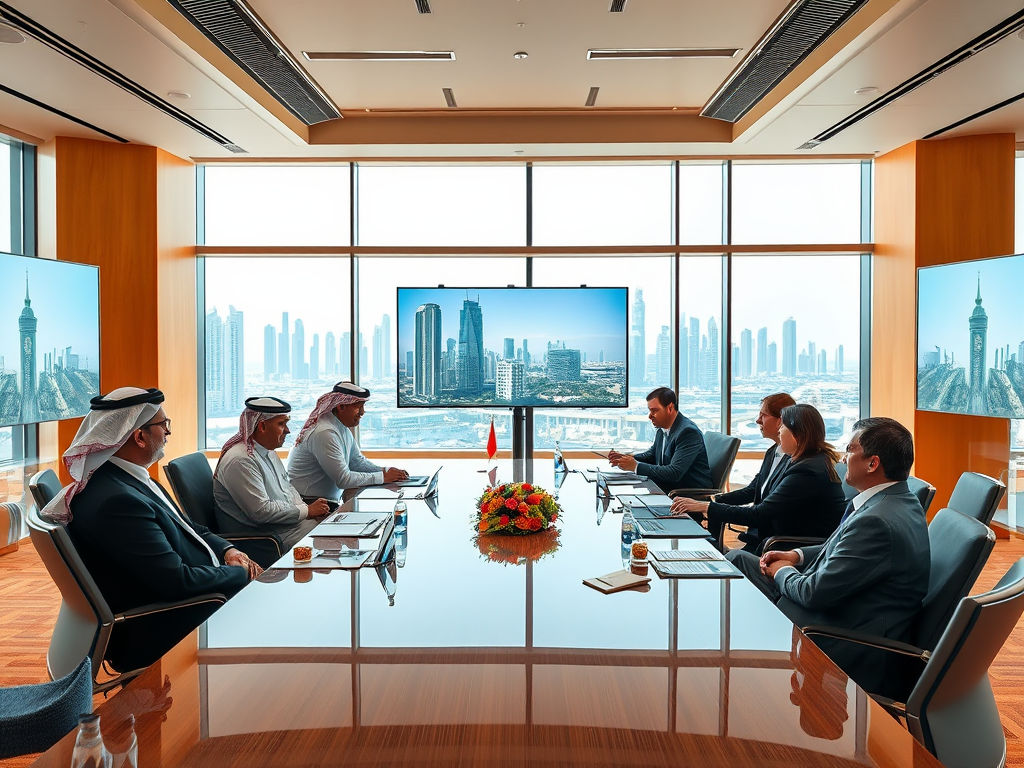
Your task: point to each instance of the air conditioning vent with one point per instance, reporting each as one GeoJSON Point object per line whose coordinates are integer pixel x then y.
{"type": "Point", "coordinates": [234, 28]}
{"type": "Point", "coordinates": [804, 26]}
{"type": "Point", "coordinates": [1003, 29]}
{"type": "Point", "coordinates": [618, 6]}
{"type": "Point", "coordinates": [422, 6]}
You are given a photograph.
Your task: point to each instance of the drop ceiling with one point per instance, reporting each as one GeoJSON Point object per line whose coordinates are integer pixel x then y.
{"type": "Point", "coordinates": [507, 106]}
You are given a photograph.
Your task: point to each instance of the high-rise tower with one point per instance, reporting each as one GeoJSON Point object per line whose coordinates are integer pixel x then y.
{"type": "Point", "coordinates": [789, 347]}
{"type": "Point", "coordinates": [471, 348]}
{"type": "Point", "coordinates": [426, 370]}
{"type": "Point", "coordinates": [269, 352]}
{"type": "Point", "coordinates": [234, 360]}
{"type": "Point", "coordinates": [27, 328]}
{"type": "Point", "coordinates": [979, 341]}
{"type": "Point", "coordinates": [637, 340]}
{"type": "Point", "coordinates": [284, 359]}
{"type": "Point", "coordinates": [762, 350]}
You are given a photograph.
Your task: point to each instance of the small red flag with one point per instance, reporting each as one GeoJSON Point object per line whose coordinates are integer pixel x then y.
{"type": "Point", "coordinates": [492, 442]}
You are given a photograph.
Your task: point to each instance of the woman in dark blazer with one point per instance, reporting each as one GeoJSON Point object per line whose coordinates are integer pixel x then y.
{"type": "Point", "coordinates": [806, 500]}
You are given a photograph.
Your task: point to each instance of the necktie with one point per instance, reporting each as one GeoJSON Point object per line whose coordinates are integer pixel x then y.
{"type": "Point", "coordinates": [847, 512]}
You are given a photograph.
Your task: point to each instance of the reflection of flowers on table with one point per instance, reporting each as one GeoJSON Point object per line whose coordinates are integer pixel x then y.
{"type": "Point", "coordinates": [515, 508]}
{"type": "Point", "coordinates": [517, 550]}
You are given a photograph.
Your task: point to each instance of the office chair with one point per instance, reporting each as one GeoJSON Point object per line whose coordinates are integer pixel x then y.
{"type": "Point", "coordinates": [924, 491]}
{"type": "Point", "coordinates": [951, 709]}
{"type": "Point", "coordinates": [977, 496]}
{"type": "Point", "coordinates": [85, 622]}
{"type": "Point", "coordinates": [192, 482]}
{"type": "Point", "coordinates": [35, 717]}
{"type": "Point", "coordinates": [959, 547]}
{"type": "Point", "coordinates": [722, 450]}
{"type": "Point", "coordinates": [44, 486]}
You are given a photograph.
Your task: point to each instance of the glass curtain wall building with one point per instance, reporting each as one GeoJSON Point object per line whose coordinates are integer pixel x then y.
{"type": "Point", "coordinates": [307, 294]}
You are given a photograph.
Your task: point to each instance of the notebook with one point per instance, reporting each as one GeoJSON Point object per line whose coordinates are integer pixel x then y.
{"type": "Point", "coordinates": [352, 529]}
{"type": "Point", "coordinates": [671, 528]}
{"type": "Point", "coordinates": [616, 581]}
{"type": "Point", "coordinates": [668, 555]}
{"type": "Point", "coordinates": [332, 559]}
{"type": "Point", "coordinates": [696, 569]}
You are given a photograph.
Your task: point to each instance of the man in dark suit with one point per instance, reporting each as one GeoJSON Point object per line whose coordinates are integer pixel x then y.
{"type": "Point", "coordinates": [872, 573]}
{"type": "Point", "coordinates": [678, 458]}
{"type": "Point", "coordinates": [132, 538]}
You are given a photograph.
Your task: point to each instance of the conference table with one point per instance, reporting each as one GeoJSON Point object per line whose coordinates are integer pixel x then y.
{"type": "Point", "coordinates": [467, 651]}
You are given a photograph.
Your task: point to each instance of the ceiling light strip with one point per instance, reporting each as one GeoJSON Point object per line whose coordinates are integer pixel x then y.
{"type": "Point", "coordinates": [976, 115]}
{"type": "Point", "coordinates": [592, 97]}
{"type": "Point", "coordinates": [662, 53]}
{"type": "Point", "coordinates": [57, 43]}
{"type": "Point", "coordinates": [379, 55]}
{"type": "Point", "coordinates": [1003, 29]}
{"type": "Point", "coordinates": [65, 115]}
{"type": "Point", "coordinates": [449, 97]}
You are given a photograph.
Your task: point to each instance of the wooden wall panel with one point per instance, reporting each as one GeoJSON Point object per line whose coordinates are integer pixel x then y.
{"type": "Point", "coordinates": [936, 202]}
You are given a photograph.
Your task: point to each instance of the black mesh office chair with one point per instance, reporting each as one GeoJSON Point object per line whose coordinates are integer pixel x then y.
{"type": "Point", "coordinates": [977, 496]}
{"type": "Point", "coordinates": [951, 709]}
{"type": "Point", "coordinates": [192, 482]}
{"type": "Point", "coordinates": [722, 450]}
{"type": "Point", "coordinates": [35, 717]}
{"type": "Point", "coordinates": [959, 548]}
{"type": "Point", "coordinates": [85, 622]}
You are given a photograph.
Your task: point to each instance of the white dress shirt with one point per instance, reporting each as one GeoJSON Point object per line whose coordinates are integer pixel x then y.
{"type": "Point", "coordinates": [328, 461]}
{"type": "Point", "coordinates": [140, 474]}
{"type": "Point", "coordinates": [776, 460]}
{"type": "Point", "coordinates": [254, 490]}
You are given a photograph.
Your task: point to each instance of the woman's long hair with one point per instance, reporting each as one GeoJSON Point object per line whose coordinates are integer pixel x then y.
{"type": "Point", "coordinates": [808, 429]}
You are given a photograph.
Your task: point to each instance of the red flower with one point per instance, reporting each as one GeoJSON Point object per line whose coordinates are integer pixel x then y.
{"type": "Point", "coordinates": [534, 498]}
{"type": "Point", "coordinates": [484, 508]}
{"type": "Point", "coordinates": [535, 524]}
{"type": "Point", "coordinates": [504, 519]}
{"type": "Point", "coordinates": [525, 522]}
{"type": "Point", "coordinates": [554, 516]}
{"type": "Point", "coordinates": [527, 487]}
{"type": "Point", "coordinates": [511, 503]}
{"type": "Point", "coordinates": [523, 508]}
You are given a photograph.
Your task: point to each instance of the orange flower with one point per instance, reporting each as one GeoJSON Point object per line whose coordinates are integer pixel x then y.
{"type": "Point", "coordinates": [483, 525]}
{"type": "Point", "coordinates": [496, 504]}
{"type": "Point", "coordinates": [523, 509]}
{"type": "Point", "coordinates": [534, 524]}
{"type": "Point", "coordinates": [511, 503]}
{"type": "Point", "coordinates": [534, 498]}
{"type": "Point", "coordinates": [523, 523]}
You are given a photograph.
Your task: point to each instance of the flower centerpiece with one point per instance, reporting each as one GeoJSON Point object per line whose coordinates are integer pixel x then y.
{"type": "Point", "coordinates": [515, 508]}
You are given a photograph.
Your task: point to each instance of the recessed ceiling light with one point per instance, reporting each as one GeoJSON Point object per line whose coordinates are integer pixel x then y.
{"type": "Point", "coordinates": [519, 151]}
{"type": "Point", "coordinates": [617, 6]}
{"type": "Point", "coordinates": [1021, 34]}
{"type": "Point", "coordinates": [592, 97]}
{"type": "Point", "coordinates": [179, 95]}
{"type": "Point", "coordinates": [449, 97]}
{"type": "Point", "coordinates": [422, 6]}
{"type": "Point", "coordinates": [10, 36]}
{"type": "Point", "coordinates": [866, 91]}
{"type": "Point", "coordinates": [520, 55]}
{"type": "Point", "coordinates": [663, 53]}
{"type": "Point", "coordinates": [379, 55]}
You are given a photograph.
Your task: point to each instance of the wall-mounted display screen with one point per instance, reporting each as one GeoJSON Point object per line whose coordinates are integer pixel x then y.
{"type": "Point", "coordinates": [970, 337]}
{"type": "Point", "coordinates": [49, 339]}
{"type": "Point", "coordinates": [486, 347]}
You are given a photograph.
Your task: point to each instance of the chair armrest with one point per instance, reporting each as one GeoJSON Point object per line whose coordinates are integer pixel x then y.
{"type": "Point", "coordinates": [693, 493]}
{"type": "Point", "coordinates": [773, 542]}
{"type": "Point", "coordinates": [151, 608]}
{"type": "Point", "coordinates": [265, 548]}
{"type": "Point", "coordinates": [863, 638]}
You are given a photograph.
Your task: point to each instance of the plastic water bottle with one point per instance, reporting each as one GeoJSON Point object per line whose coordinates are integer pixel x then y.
{"type": "Point", "coordinates": [559, 461]}
{"type": "Point", "coordinates": [123, 745]}
{"type": "Point", "coordinates": [89, 751]}
{"type": "Point", "coordinates": [628, 525]}
{"type": "Point", "coordinates": [401, 514]}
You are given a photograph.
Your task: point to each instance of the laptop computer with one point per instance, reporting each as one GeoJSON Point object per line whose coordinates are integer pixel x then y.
{"type": "Point", "coordinates": [431, 490]}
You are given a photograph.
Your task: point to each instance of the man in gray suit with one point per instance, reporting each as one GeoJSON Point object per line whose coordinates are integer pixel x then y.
{"type": "Point", "coordinates": [872, 573]}
{"type": "Point", "coordinates": [678, 458]}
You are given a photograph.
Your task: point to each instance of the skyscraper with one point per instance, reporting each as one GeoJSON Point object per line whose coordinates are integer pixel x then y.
{"type": "Point", "coordinates": [746, 353]}
{"type": "Point", "coordinates": [773, 359]}
{"type": "Point", "coordinates": [839, 359]}
{"type": "Point", "coordinates": [234, 356]}
{"type": "Point", "coordinates": [314, 358]}
{"type": "Point", "coordinates": [345, 356]}
{"type": "Point", "coordinates": [284, 360]}
{"type": "Point", "coordinates": [789, 347]}
{"type": "Point", "coordinates": [509, 380]}
{"type": "Point", "coordinates": [663, 357]}
{"type": "Point", "coordinates": [426, 370]}
{"type": "Point", "coordinates": [27, 329]}
{"type": "Point", "coordinates": [471, 348]}
{"type": "Point", "coordinates": [408, 362]}
{"type": "Point", "coordinates": [693, 358]}
{"type": "Point", "coordinates": [563, 364]}
{"type": "Point", "coordinates": [712, 362]}
{"type": "Point", "coordinates": [509, 349]}
{"type": "Point", "coordinates": [684, 355]}
{"type": "Point", "coordinates": [364, 363]}
{"type": "Point", "coordinates": [762, 350]}
{"type": "Point", "coordinates": [269, 352]}
{"type": "Point", "coordinates": [330, 356]}
{"type": "Point", "coordinates": [215, 404]}
{"type": "Point", "coordinates": [822, 361]}
{"type": "Point", "coordinates": [526, 353]}
{"type": "Point", "coordinates": [735, 361]}
{"type": "Point", "coordinates": [637, 341]}
{"type": "Point", "coordinates": [978, 371]}
{"type": "Point", "coordinates": [385, 343]}
{"type": "Point", "coordinates": [378, 354]}
{"type": "Point", "coordinates": [298, 351]}
{"type": "Point", "coordinates": [812, 356]}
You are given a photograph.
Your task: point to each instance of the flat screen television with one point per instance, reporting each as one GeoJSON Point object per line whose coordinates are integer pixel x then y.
{"type": "Point", "coordinates": [495, 347]}
{"type": "Point", "coordinates": [970, 337]}
{"type": "Point", "coordinates": [49, 339]}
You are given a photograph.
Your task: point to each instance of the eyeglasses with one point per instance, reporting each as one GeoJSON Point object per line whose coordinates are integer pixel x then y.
{"type": "Point", "coordinates": [164, 423]}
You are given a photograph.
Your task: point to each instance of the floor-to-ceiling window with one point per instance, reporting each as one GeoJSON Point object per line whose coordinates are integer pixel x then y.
{"type": "Point", "coordinates": [302, 264]}
{"type": "Point", "coordinates": [1017, 425]}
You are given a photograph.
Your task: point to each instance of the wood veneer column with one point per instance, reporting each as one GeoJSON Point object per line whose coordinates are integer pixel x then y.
{"type": "Point", "coordinates": [936, 202]}
{"type": "Point", "coordinates": [130, 210]}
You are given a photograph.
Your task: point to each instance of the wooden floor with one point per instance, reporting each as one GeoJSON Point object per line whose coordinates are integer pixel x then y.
{"type": "Point", "coordinates": [29, 602]}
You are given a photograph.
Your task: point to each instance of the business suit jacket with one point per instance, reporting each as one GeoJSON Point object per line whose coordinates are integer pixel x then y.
{"type": "Point", "coordinates": [681, 463]}
{"type": "Point", "coordinates": [870, 576]}
{"type": "Point", "coordinates": [138, 554]}
{"type": "Point", "coordinates": [752, 493]}
{"type": "Point", "coordinates": [803, 500]}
